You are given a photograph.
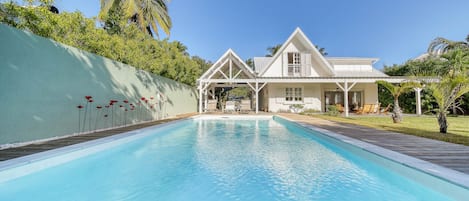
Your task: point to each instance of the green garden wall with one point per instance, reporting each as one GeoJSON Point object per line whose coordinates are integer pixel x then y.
{"type": "Point", "coordinates": [42, 82]}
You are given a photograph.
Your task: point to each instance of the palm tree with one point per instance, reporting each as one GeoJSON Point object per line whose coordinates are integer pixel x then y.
{"type": "Point", "coordinates": [396, 91]}
{"type": "Point", "coordinates": [146, 13]}
{"type": "Point", "coordinates": [442, 45]}
{"type": "Point", "coordinates": [273, 50]}
{"type": "Point", "coordinates": [453, 85]}
{"type": "Point", "coordinates": [321, 50]}
{"type": "Point", "coordinates": [445, 93]}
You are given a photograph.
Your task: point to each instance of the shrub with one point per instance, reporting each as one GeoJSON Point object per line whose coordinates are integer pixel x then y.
{"type": "Point", "coordinates": [332, 110]}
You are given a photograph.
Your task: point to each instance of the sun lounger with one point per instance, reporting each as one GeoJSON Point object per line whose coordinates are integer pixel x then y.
{"type": "Point", "coordinates": [367, 108]}
{"type": "Point", "coordinates": [386, 110]}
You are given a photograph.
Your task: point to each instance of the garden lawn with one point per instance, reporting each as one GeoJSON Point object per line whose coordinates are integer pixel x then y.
{"type": "Point", "coordinates": [423, 126]}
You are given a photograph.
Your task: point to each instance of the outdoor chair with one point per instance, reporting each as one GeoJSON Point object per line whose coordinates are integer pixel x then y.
{"type": "Point", "coordinates": [367, 108]}
{"type": "Point", "coordinates": [212, 105]}
{"type": "Point", "coordinates": [339, 107]}
{"type": "Point", "coordinates": [230, 106]}
{"type": "Point", "coordinates": [245, 106]}
{"type": "Point", "coordinates": [385, 110]}
{"type": "Point", "coordinates": [375, 108]}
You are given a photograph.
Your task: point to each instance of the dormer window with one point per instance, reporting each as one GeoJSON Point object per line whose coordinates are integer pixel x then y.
{"type": "Point", "coordinates": [294, 64]}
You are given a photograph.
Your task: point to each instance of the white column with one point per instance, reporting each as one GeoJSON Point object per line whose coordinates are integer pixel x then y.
{"type": "Point", "coordinates": [419, 104]}
{"type": "Point", "coordinates": [200, 98]}
{"type": "Point", "coordinates": [257, 97]}
{"type": "Point", "coordinates": [346, 98]}
{"type": "Point", "coordinates": [206, 99]}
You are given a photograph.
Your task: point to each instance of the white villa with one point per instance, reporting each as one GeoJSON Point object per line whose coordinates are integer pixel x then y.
{"type": "Point", "coordinates": [296, 74]}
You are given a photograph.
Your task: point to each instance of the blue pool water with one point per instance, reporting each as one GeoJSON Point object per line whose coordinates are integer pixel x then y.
{"type": "Point", "coordinates": [201, 159]}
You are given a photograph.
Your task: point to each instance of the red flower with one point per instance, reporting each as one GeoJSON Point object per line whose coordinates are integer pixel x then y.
{"type": "Point", "coordinates": [88, 97]}
{"type": "Point", "coordinates": [126, 101]}
{"type": "Point", "coordinates": [80, 106]}
{"type": "Point", "coordinates": [151, 106]}
{"type": "Point", "coordinates": [90, 100]}
{"type": "Point", "coordinates": [111, 103]}
{"type": "Point", "coordinates": [131, 104]}
{"type": "Point", "coordinates": [143, 98]}
{"type": "Point", "coordinates": [98, 107]}
{"type": "Point", "coordinates": [151, 97]}
{"type": "Point", "coordinates": [146, 101]}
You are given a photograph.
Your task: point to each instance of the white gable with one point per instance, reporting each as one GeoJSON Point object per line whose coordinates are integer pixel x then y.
{"type": "Point", "coordinates": [229, 67]}
{"type": "Point", "coordinates": [313, 64]}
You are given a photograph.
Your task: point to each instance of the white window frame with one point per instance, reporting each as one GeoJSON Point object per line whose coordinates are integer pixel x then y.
{"type": "Point", "coordinates": [294, 68]}
{"type": "Point", "coordinates": [294, 95]}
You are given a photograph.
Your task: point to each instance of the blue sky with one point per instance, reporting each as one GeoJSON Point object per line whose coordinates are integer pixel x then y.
{"type": "Point", "coordinates": [393, 31]}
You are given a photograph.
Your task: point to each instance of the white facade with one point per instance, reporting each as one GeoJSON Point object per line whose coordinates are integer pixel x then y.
{"type": "Point", "coordinates": [299, 75]}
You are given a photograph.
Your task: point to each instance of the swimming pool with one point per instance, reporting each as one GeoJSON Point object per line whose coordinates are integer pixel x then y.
{"type": "Point", "coordinates": [252, 158]}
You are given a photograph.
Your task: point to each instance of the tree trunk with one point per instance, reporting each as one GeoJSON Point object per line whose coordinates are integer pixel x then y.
{"type": "Point", "coordinates": [396, 112]}
{"type": "Point", "coordinates": [442, 122]}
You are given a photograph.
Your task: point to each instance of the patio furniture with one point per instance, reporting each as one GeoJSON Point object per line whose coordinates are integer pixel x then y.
{"type": "Point", "coordinates": [230, 106]}
{"type": "Point", "coordinates": [212, 105]}
{"type": "Point", "coordinates": [367, 108]}
{"type": "Point", "coordinates": [245, 106]}
{"type": "Point", "coordinates": [339, 107]}
{"type": "Point", "coordinates": [386, 110]}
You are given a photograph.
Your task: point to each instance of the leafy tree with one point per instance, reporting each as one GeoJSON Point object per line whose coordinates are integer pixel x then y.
{"type": "Point", "coordinates": [149, 15]}
{"type": "Point", "coordinates": [250, 63]}
{"type": "Point", "coordinates": [453, 85]}
{"type": "Point", "coordinates": [445, 93]}
{"type": "Point", "coordinates": [442, 45]}
{"type": "Point", "coordinates": [396, 91]}
{"type": "Point", "coordinates": [321, 50]}
{"type": "Point", "coordinates": [202, 63]}
{"type": "Point", "coordinates": [273, 50]}
{"type": "Point", "coordinates": [130, 46]}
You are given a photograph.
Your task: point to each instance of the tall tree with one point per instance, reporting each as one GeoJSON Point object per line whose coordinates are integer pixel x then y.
{"type": "Point", "coordinates": [273, 50]}
{"type": "Point", "coordinates": [442, 45]}
{"type": "Point", "coordinates": [454, 84]}
{"type": "Point", "coordinates": [150, 15]}
{"type": "Point", "coordinates": [396, 91]}
{"type": "Point", "coordinates": [321, 50]}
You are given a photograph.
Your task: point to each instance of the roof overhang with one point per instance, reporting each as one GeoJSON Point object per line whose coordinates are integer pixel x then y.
{"type": "Point", "coordinates": [394, 79]}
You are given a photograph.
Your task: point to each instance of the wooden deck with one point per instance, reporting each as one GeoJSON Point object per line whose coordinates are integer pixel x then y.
{"type": "Point", "coordinates": [453, 156]}
{"type": "Point", "coordinates": [16, 152]}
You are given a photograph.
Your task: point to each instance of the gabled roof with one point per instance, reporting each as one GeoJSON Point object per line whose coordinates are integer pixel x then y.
{"type": "Point", "coordinates": [261, 62]}
{"type": "Point", "coordinates": [229, 66]}
{"type": "Point", "coordinates": [307, 43]}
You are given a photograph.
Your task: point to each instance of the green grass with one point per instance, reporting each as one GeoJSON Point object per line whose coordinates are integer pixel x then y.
{"type": "Point", "coordinates": [424, 126]}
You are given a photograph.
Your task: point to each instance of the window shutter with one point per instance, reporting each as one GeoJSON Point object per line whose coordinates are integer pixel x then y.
{"type": "Point", "coordinates": [285, 64]}
{"type": "Point", "coordinates": [307, 63]}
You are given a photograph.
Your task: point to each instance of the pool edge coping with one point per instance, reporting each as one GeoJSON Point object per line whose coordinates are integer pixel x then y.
{"type": "Point", "coordinates": [458, 178]}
